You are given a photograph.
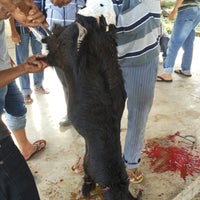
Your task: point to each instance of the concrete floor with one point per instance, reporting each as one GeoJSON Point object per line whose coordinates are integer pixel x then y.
{"type": "Point", "coordinates": [176, 107]}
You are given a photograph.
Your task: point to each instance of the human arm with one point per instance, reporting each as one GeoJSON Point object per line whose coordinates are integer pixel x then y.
{"type": "Point", "coordinates": [14, 34]}
{"type": "Point", "coordinates": [8, 5]}
{"type": "Point", "coordinates": [175, 9]}
{"type": "Point", "coordinates": [4, 14]}
{"type": "Point", "coordinates": [25, 12]}
{"type": "Point", "coordinates": [60, 3]}
{"type": "Point", "coordinates": [30, 65]}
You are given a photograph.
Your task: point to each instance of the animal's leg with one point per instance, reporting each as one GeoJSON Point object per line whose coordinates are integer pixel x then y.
{"type": "Point", "coordinates": [88, 186]}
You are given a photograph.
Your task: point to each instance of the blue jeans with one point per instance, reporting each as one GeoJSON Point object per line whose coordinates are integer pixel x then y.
{"type": "Point", "coordinates": [16, 179]}
{"type": "Point", "coordinates": [139, 84]}
{"type": "Point", "coordinates": [164, 40]}
{"type": "Point", "coordinates": [12, 103]}
{"type": "Point", "coordinates": [22, 53]}
{"type": "Point", "coordinates": [183, 35]}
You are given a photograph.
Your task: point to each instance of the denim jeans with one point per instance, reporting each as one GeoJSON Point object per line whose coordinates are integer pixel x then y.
{"type": "Point", "coordinates": [16, 179]}
{"type": "Point", "coordinates": [139, 84]}
{"type": "Point", "coordinates": [183, 35]}
{"type": "Point", "coordinates": [22, 53]}
{"type": "Point", "coordinates": [164, 40]}
{"type": "Point", "coordinates": [12, 103]}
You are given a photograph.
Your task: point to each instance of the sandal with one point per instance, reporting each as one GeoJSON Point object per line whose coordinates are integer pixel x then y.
{"type": "Point", "coordinates": [39, 146]}
{"type": "Point", "coordinates": [179, 71]}
{"type": "Point", "coordinates": [28, 99]}
{"type": "Point", "coordinates": [41, 90]}
{"type": "Point", "coordinates": [78, 167]}
{"type": "Point", "coordinates": [135, 175]}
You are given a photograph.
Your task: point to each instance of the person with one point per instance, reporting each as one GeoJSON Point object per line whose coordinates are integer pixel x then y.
{"type": "Point", "coordinates": [138, 30]}
{"type": "Point", "coordinates": [12, 104]}
{"type": "Point", "coordinates": [19, 181]}
{"type": "Point", "coordinates": [164, 40]}
{"type": "Point", "coordinates": [22, 36]}
{"type": "Point", "coordinates": [183, 35]}
{"type": "Point", "coordinates": [63, 15]}
{"type": "Point", "coordinates": [16, 179]}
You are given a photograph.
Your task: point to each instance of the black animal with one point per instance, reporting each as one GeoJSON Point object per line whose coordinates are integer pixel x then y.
{"type": "Point", "coordinates": [87, 54]}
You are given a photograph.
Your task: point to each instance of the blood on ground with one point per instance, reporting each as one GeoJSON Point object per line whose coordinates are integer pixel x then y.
{"type": "Point", "coordinates": [173, 153]}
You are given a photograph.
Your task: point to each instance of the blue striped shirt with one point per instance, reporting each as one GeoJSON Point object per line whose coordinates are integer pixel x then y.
{"type": "Point", "coordinates": [63, 16]}
{"type": "Point", "coordinates": [138, 30]}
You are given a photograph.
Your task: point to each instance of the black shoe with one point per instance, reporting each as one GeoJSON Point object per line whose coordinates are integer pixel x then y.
{"type": "Point", "coordinates": [65, 122]}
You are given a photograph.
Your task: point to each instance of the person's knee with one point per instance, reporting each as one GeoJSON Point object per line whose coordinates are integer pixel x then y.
{"type": "Point", "coordinates": [15, 123]}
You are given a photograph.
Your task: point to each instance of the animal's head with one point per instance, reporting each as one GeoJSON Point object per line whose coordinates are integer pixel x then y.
{"type": "Point", "coordinates": [61, 45]}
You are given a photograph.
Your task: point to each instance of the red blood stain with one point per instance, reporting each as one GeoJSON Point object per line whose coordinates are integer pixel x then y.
{"type": "Point", "coordinates": [173, 158]}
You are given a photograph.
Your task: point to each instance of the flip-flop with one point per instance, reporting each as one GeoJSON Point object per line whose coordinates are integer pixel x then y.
{"type": "Point", "coordinates": [39, 145]}
{"type": "Point", "coordinates": [161, 79]}
{"type": "Point", "coordinates": [179, 71]}
{"type": "Point", "coordinates": [135, 175]}
{"type": "Point", "coordinates": [78, 167]}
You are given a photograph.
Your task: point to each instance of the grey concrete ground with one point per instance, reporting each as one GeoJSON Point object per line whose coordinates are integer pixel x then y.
{"type": "Point", "coordinates": [176, 107]}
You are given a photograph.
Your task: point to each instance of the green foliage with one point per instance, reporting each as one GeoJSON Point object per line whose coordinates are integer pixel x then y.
{"type": "Point", "coordinates": [168, 5]}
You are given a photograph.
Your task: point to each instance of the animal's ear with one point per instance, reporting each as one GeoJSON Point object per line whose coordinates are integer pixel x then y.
{"type": "Point", "coordinates": [82, 33]}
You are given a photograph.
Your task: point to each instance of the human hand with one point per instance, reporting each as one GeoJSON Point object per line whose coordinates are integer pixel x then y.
{"type": "Point", "coordinates": [60, 3]}
{"type": "Point", "coordinates": [4, 14]}
{"type": "Point", "coordinates": [28, 14]}
{"type": "Point", "coordinates": [172, 15]}
{"type": "Point", "coordinates": [34, 65]}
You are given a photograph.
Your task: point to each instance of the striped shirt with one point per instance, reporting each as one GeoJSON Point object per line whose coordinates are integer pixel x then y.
{"type": "Point", "coordinates": [64, 15]}
{"type": "Point", "coordinates": [138, 30]}
{"type": "Point", "coordinates": [189, 3]}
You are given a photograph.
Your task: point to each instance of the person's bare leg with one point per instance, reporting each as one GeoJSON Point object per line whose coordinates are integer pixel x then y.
{"type": "Point", "coordinates": [25, 147]}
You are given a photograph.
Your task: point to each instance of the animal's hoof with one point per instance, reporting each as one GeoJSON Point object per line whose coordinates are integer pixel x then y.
{"type": "Point", "coordinates": [87, 187]}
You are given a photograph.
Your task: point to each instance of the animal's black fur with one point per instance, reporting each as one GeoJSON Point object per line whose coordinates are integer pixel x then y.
{"type": "Point", "coordinates": [96, 101]}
